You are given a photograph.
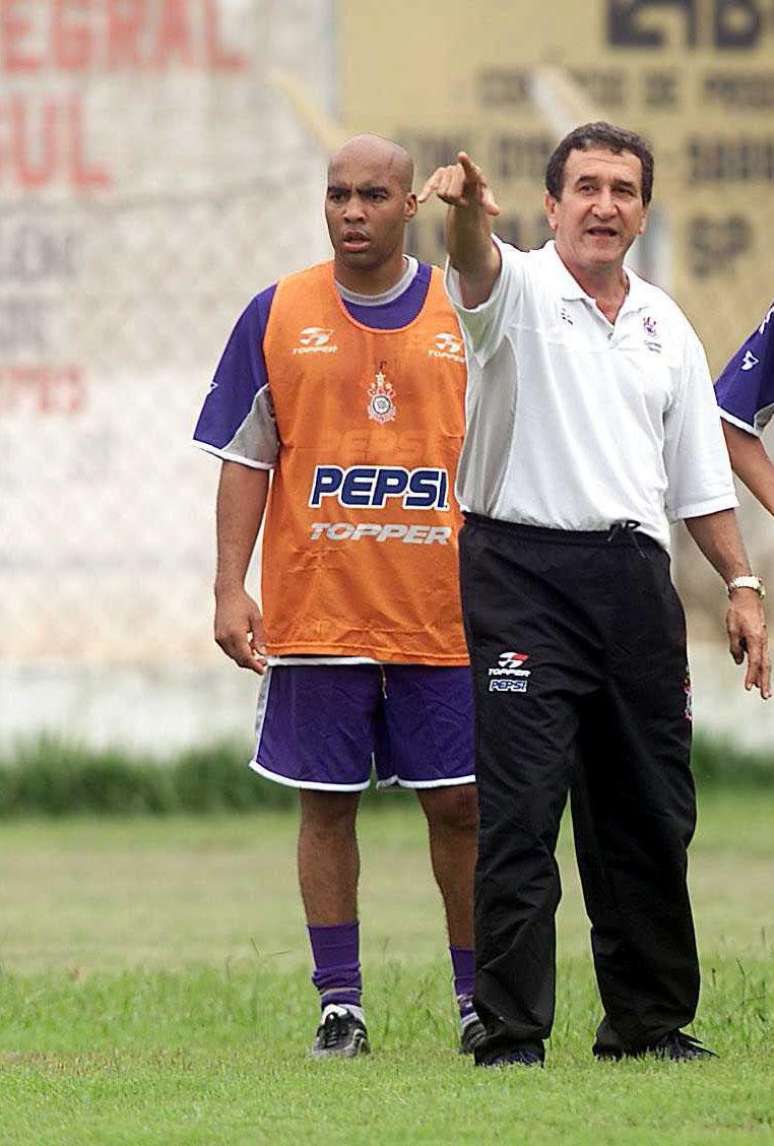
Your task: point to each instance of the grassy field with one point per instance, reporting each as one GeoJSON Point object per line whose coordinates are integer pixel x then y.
{"type": "Point", "coordinates": [155, 990]}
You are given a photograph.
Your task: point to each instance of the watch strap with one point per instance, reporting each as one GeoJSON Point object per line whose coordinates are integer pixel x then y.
{"type": "Point", "coordinates": [747, 582]}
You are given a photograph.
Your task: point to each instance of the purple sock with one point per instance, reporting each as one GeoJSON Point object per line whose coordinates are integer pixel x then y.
{"type": "Point", "coordinates": [336, 953]}
{"type": "Point", "coordinates": [464, 967]}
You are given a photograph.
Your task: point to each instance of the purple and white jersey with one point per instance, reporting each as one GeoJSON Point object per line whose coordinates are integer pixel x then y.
{"type": "Point", "coordinates": [745, 389]}
{"type": "Point", "coordinates": [237, 419]}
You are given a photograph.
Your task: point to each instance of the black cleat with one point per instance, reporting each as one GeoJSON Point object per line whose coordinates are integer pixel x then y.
{"type": "Point", "coordinates": [673, 1047]}
{"type": "Point", "coordinates": [473, 1033]}
{"type": "Point", "coordinates": [525, 1055]}
{"type": "Point", "coordinates": [340, 1034]}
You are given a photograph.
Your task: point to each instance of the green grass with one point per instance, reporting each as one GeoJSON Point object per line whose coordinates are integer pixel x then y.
{"type": "Point", "coordinates": [205, 1056]}
{"type": "Point", "coordinates": [52, 777]}
{"type": "Point", "coordinates": [155, 990]}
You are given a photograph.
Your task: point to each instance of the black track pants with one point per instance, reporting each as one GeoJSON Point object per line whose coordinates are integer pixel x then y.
{"type": "Point", "coordinates": [577, 642]}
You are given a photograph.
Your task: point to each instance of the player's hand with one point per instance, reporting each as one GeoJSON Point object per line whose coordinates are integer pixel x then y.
{"type": "Point", "coordinates": [239, 629]}
{"type": "Point", "coordinates": [746, 626]}
{"type": "Point", "coordinates": [461, 184]}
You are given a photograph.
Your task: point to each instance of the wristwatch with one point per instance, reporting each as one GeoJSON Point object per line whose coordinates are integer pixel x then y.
{"type": "Point", "coordinates": [750, 582]}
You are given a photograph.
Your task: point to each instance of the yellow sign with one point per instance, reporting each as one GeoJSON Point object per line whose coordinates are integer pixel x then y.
{"type": "Point", "coordinates": [505, 80]}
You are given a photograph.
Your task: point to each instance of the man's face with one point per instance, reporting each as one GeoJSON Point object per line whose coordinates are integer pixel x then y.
{"type": "Point", "coordinates": [600, 212]}
{"type": "Point", "coordinates": [366, 209]}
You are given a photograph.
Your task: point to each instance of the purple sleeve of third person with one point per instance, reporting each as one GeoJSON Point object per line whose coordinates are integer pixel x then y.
{"type": "Point", "coordinates": [745, 389]}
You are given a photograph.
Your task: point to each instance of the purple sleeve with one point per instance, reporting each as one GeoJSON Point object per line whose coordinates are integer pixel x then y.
{"type": "Point", "coordinates": [745, 389]}
{"type": "Point", "coordinates": [237, 419]}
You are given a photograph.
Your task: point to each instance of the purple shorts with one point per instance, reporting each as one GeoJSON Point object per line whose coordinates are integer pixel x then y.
{"type": "Point", "coordinates": [328, 726]}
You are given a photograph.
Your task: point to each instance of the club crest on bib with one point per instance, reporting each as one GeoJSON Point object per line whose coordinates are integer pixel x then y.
{"type": "Point", "coordinates": [381, 399]}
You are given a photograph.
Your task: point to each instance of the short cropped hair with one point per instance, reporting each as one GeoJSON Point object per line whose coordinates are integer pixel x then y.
{"type": "Point", "coordinates": [607, 137]}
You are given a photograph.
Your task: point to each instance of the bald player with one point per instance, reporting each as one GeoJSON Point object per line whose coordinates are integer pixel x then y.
{"type": "Point", "coordinates": [338, 408]}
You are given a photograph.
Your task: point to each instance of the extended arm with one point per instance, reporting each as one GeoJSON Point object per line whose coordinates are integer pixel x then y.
{"type": "Point", "coordinates": [468, 226]}
{"type": "Point", "coordinates": [241, 502]}
{"type": "Point", "coordinates": [751, 463]}
{"type": "Point", "coordinates": [718, 537]}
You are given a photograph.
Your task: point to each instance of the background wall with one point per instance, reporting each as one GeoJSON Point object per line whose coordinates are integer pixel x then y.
{"type": "Point", "coordinates": [155, 174]}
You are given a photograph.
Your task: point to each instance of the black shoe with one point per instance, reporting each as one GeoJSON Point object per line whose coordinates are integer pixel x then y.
{"type": "Point", "coordinates": [674, 1046]}
{"type": "Point", "coordinates": [340, 1034]}
{"type": "Point", "coordinates": [525, 1055]}
{"type": "Point", "coordinates": [473, 1033]}
{"type": "Point", "coordinates": [679, 1047]}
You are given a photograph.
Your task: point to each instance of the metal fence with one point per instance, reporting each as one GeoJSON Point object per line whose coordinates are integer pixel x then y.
{"type": "Point", "coordinates": [114, 308]}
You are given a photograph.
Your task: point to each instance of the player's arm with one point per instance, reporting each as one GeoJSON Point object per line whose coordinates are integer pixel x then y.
{"type": "Point", "coordinates": [717, 536]}
{"type": "Point", "coordinates": [237, 425]}
{"type": "Point", "coordinates": [700, 491]}
{"type": "Point", "coordinates": [241, 502]}
{"type": "Point", "coordinates": [751, 463]}
{"type": "Point", "coordinates": [472, 253]}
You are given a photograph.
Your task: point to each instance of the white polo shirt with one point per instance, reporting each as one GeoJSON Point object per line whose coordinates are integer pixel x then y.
{"type": "Point", "coordinates": [576, 423]}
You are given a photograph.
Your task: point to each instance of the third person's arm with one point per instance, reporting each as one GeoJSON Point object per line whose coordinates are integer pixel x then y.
{"type": "Point", "coordinates": [751, 463]}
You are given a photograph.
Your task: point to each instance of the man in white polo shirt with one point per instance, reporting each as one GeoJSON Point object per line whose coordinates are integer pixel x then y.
{"type": "Point", "coordinates": [590, 424]}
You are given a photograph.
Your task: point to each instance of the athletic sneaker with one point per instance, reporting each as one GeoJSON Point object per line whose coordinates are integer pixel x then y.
{"type": "Point", "coordinates": [340, 1034]}
{"type": "Point", "coordinates": [525, 1055]}
{"type": "Point", "coordinates": [473, 1033]}
{"type": "Point", "coordinates": [675, 1046]}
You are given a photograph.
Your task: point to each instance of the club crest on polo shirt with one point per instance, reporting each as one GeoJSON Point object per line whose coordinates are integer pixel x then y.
{"type": "Point", "coordinates": [749, 362]}
{"type": "Point", "coordinates": [650, 327]}
{"type": "Point", "coordinates": [381, 399]}
{"type": "Point", "coordinates": [315, 340]}
{"type": "Point", "coordinates": [447, 345]}
{"type": "Point", "coordinates": [508, 674]}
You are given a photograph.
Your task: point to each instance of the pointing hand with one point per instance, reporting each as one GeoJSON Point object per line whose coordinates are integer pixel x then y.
{"type": "Point", "coordinates": [461, 184]}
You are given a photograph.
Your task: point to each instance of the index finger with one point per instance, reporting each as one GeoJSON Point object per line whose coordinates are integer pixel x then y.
{"type": "Point", "coordinates": [240, 650]}
{"type": "Point", "coordinates": [757, 664]}
{"type": "Point", "coordinates": [467, 165]}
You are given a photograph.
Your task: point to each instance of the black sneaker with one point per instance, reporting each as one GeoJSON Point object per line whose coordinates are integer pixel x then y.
{"type": "Point", "coordinates": [340, 1034]}
{"type": "Point", "coordinates": [675, 1046]}
{"type": "Point", "coordinates": [525, 1055]}
{"type": "Point", "coordinates": [473, 1033]}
